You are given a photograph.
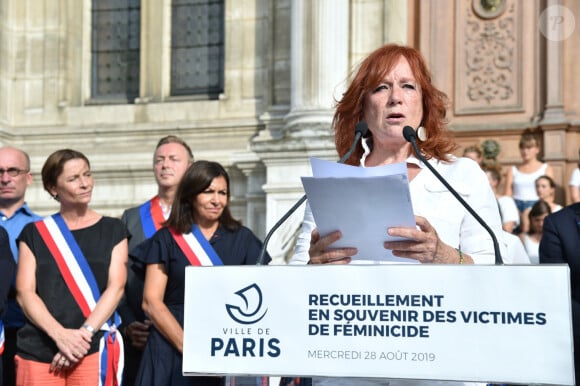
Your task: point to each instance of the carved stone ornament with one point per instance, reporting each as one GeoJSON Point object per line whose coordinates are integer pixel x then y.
{"type": "Point", "coordinates": [489, 59]}
{"type": "Point", "coordinates": [488, 9]}
{"type": "Point", "coordinates": [488, 69]}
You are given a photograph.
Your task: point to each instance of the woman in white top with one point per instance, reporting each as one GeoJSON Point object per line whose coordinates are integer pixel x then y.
{"type": "Point", "coordinates": [520, 179]}
{"type": "Point", "coordinates": [546, 191]}
{"type": "Point", "coordinates": [392, 89]}
{"type": "Point", "coordinates": [532, 238]}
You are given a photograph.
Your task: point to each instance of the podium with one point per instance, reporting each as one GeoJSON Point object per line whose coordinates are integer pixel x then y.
{"type": "Point", "coordinates": [476, 323]}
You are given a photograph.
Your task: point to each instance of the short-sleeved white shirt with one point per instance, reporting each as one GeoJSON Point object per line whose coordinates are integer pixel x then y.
{"type": "Point", "coordinates": [508, 209]}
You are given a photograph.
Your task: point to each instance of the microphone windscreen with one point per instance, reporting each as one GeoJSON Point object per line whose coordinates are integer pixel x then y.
{"type": "Point", "coordinates": [409, 133]}
{"type": "Point", "coordinates": [361, 128]}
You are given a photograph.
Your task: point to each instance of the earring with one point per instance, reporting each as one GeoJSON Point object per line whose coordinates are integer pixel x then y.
{"type": "Point", "coordinates": [421, 133]}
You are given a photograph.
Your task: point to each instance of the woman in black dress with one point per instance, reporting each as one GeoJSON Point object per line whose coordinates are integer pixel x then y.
{"type": "Point", "coordinates": [200, 211]}
{"type": "Point", "coordinates": [71, 276]}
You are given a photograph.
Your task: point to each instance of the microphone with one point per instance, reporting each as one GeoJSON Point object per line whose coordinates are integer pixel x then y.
{"type": "Point", "coordinates": [411, 136]}
{"type": "Point", "coordinates": [360, 130]}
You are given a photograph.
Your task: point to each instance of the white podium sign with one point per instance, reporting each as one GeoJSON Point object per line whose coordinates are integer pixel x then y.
{"type": "Point", "coordinates": [438, 322]}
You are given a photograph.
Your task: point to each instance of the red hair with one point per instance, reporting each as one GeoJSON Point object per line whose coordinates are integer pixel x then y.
{"type": "Point", "coordinates": [371, 72]}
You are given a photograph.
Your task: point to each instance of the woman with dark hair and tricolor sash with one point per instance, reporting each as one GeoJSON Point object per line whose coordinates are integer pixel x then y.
{"type": "Point", "coordinates": [199, 231]}
{"type": "Point", "coordinates": [71, 275]}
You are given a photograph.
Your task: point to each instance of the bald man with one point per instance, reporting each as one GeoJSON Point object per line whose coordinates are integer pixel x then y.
{"type": "Point", "coordinates": [15, 177]}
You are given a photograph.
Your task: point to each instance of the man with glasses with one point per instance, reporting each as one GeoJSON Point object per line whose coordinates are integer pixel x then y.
{"type": "Point", "coordinates": [15, 177]}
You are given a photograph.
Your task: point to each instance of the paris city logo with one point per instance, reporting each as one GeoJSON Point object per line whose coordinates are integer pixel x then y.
{"type": "Point", "coordinates": [245, 339]}
{"type": "Point", "coordinates": [249, 309]}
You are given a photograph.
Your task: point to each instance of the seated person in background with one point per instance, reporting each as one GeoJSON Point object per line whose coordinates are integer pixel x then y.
{"type": "Point", "coordinates": [546, 191]}
{"type": "Point", "coordinates": [510, 217]}
{"type": "Point", "coordinates": [532, 238]}
{"type": "Point", "coordinates": [473, 152]}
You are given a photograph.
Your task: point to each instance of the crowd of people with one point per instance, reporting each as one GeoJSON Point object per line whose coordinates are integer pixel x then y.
{"type": "Point", "coordinates": [529, 193]}
{"type": "Point", "coordinates": [548, 230]}
{"type": "Point", "coordinates": [111, 291]}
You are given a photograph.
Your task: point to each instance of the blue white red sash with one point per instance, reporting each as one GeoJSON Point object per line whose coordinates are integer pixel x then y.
{"type": "Point", "coordinates": [196, 248]}
{"type": "Point", "coordinates": [151, 216]}
{"type": "Point", "coordinates": [81, 281]}
{"type": "Point", "coordinates": [1, 337]}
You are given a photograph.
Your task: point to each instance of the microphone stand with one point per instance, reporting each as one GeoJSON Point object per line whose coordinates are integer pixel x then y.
{"type": "Point", "coordinates": [360, 130]}
{"type": "Point", "coordinates": [411, 136]}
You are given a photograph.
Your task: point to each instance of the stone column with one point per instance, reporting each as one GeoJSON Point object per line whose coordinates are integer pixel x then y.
{"type": "Point", "coordinates": [554, 122]}
{"type": "Point", "coordinates": [319, 62]}
{"type": "Point", "coordinates": [318, 67]}
{"type": "Point", "coordinates": [155, 51]}
{"type": "Point", "coordinates": [554, 109]}
{"type": "Point", "coordinates": [255, 207]}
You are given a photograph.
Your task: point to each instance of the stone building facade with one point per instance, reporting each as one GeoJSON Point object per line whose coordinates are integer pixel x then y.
{"type": "Point", "coordinates": [506, 66]}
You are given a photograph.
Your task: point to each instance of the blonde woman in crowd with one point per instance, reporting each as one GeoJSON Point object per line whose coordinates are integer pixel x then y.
{"type": "Point", "coordinates": [520, 179]}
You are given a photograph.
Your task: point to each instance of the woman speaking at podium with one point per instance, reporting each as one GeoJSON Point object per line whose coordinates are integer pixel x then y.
{"type": "Point", "coordinates": [392, 89]}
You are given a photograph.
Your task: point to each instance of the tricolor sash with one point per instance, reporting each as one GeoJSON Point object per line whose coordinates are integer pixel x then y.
{"type": "Point", "coordinates": [81, 281]}
{"type": "Point", "coordinates": [151, 216]}
{"type": "Point", "coordinates": [196, 248]}
{"type": "Point", "coordinates": [1, 337]}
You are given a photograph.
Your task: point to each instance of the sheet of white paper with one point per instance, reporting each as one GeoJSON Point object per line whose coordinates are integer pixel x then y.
{"type": "Point", "coordinates": [362, 208]}
{"type": "Point", "coordinates": [324, 168]}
